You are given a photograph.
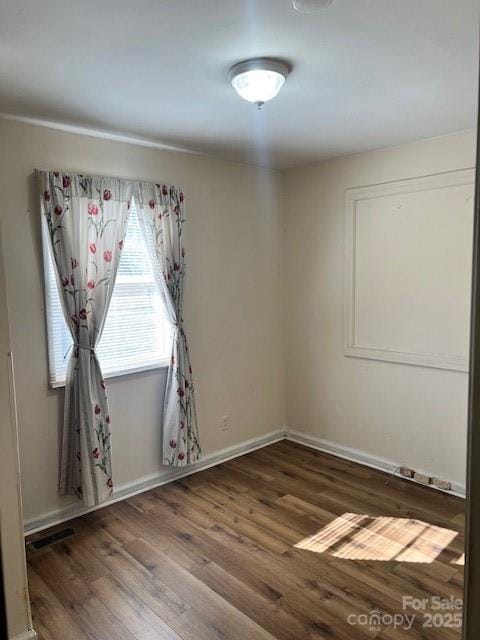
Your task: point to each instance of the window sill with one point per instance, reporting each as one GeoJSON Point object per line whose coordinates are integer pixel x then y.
{"type": "Point", "coordinates": [164, 364]}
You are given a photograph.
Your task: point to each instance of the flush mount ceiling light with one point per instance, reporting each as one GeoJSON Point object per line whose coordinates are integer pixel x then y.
{"type": "Point", "coordinates": [310, 6]}
{"type": "Point", "coordinates": [258, 80]}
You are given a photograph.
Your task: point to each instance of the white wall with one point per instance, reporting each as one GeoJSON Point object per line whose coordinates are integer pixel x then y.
{"type": "Point", "coordinates": [244, 223]}
{"type": "Point", "coordinates": [11, 525]}
{"type": "Point", "coordinates": [233, 310]}
{"type": "Point", "coordinates": [403, 413]}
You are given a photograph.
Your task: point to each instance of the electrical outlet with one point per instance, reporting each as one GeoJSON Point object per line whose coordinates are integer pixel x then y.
{"type": "Point", "coordinates": [442, 484]}
{"type": "Point", "coordinates": [225, 423]}
{"type": "Point", "coordinates": [406, 472]}
{"type": "Point", "coordinates": [422, 478]}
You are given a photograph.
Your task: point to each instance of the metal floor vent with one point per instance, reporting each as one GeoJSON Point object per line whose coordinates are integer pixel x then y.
{"type": "Point", "coordinates": [58, 536]}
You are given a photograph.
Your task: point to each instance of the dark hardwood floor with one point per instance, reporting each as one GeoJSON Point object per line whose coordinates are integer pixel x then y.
{"type": "Point", "coordinates": [282, 543]}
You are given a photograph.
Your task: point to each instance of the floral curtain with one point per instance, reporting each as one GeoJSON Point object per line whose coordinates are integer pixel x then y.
{"type": "Point", "coordinates": [162, 218]}
{"type": "Point", "coordinates": [86, 220]}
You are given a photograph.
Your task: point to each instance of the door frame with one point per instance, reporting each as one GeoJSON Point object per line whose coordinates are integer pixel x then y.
{"type": "Point", "coordinates": [471, 608]}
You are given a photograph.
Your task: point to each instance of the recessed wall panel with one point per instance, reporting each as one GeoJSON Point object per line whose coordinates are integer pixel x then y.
{"type": "Point", "coordinates": [409, 252]}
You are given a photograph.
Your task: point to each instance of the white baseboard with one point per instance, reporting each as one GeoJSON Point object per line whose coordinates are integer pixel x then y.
{"type": "Point", "coordinates": [130, 489]}
{"type": "Point", "coordinates": [26, 635]}
{"type": "Point", "coordinates": [355, 455]}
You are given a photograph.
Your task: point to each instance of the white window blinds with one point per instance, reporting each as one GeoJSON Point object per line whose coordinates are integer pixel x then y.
{"type": "Point", "coordinates": [136, 336]}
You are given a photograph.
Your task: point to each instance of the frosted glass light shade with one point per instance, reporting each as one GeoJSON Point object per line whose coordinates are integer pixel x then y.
{"type": "Point", "coordinates": [258, 80]}
{"type": "Point", "coordinates": [310, 6]}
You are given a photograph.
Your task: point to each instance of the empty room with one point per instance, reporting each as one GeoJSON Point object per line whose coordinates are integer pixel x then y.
{"type": "Point", "coordinates": [238, 326]}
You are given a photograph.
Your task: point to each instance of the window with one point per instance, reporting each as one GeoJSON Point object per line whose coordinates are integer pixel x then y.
{"type": "Point", "coordinates": [136, 336]}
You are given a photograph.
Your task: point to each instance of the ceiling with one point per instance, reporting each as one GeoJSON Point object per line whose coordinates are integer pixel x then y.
{"type": "Point", "coordinates": [366, 73]}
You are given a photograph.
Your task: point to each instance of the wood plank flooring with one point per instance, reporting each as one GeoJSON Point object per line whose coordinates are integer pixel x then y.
{"type": "Point", "coordinates": [283, 543]}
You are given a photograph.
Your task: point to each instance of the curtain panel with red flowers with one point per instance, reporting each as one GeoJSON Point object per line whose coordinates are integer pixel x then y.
{"type": "Point", "coordinates": [85, 219]}
{"type": "Point", "coordinates": [162, 219]}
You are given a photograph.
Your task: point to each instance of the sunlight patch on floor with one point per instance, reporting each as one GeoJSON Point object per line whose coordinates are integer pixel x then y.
{"type": "Point", "coordinates": [354, 536]}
